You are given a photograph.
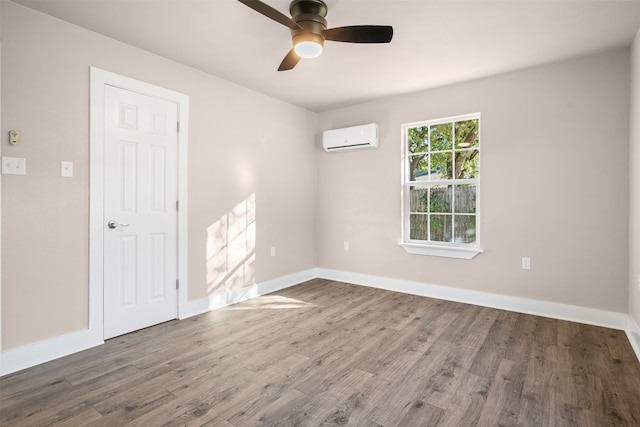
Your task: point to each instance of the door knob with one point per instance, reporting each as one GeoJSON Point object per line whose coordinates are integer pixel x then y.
{"type": "Point", "coordinates": [112, 224]}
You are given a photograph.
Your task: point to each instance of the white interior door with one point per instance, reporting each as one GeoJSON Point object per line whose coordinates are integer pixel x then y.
{"type": "Point", "coordinates": [140, 212]}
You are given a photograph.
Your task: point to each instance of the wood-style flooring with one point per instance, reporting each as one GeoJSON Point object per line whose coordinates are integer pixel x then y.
{"type": "Point", "coordinates": [327, 353]}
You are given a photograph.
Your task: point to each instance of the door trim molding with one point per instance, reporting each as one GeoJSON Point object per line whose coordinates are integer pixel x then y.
{"type": "Point", "coordinates": [98, 80]}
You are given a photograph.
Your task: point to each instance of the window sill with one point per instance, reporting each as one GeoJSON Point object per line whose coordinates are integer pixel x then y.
{"type": "Point", "coordinates": [442, 251]}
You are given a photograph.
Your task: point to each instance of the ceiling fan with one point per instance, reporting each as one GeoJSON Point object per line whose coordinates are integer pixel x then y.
{"type": "Point", "coordinates": [309, 29]}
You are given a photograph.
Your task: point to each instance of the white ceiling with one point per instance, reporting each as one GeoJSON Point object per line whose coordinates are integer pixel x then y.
{"type": "Point", "coordinates": [435, 42]}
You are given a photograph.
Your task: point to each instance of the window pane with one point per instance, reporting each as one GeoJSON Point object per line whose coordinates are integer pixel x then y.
{"type": "Point", "coordinates": [440, 228]}
{"type": "Point", "coordinates": [467, 133]}
{"type": "Point", "coordinates": [441, 166]}
{"type": "Point", "coordinates": [419, 227]}
{"type": "Point", "coordinates": [467, 164]}
{"type": "Point", "coordinates": [465, 229]}
{"type": "Point", "coordinates": [440, 200]}
{"type": "Point", "coordinates": [441, 137]}
{"type": "Point", "coordinates": [465, 198]}
{"type": "Point", "coordinates": [418, 199]}
{"type": "Point", "coordinates": [442, 175]}
{"type": "Point", "coordinates": [418, 167]}
{"type": "Point", "coordinates": [419, 139]}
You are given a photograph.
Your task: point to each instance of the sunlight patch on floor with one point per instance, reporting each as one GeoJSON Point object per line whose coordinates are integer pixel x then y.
{"type": "Point", "coordinates": [270, 302]}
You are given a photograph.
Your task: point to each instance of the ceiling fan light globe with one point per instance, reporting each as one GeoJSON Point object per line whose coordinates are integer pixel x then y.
{"type": "Point", "coordinates": [308, 49]}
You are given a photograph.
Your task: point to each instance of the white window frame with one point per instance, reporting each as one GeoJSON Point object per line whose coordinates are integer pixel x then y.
{"type": "Point", "coordinates": [424, 247]}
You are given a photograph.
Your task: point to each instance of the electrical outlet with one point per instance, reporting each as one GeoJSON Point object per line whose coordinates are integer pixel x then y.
{"type": "Point", "coordinates": [273, 251]}
{"type": "Point", "coordinates": [346, 246]}
{"type": "Point", "coordinates": [526, 263]}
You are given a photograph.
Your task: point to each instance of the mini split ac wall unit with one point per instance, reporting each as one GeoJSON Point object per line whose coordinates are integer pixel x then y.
{"type": "Point", "coordinates": [361, 137]}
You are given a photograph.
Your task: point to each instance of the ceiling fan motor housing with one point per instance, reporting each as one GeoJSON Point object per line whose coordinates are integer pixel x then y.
{"type": "Point", "coordinates": [313, 7]}
{"type": "Point", "coordinates": [309, 14]}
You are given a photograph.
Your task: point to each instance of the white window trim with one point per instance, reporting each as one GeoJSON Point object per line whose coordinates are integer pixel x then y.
{"type": "Point", "coordinates": [442, 251]}
{"type": "Point", "coordinates": [445, 249]}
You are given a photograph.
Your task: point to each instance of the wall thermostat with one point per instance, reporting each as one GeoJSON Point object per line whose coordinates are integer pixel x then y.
{"type": "Point", "coordinates": [14, 137]}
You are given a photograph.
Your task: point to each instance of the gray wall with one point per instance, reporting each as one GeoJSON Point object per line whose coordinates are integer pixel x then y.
{"type": "Point", "coordinates": [242, 145]}
{"type": "Point", "coordinates": [554, 186]}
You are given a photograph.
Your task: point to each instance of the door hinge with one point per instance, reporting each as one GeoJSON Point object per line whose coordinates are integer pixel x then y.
{"type": "Point", "coordinates": [177, 205]}
{"type": "Point", "coordinates": [177, 284]}
{"type": "Point", "coordinates": [178, 127]}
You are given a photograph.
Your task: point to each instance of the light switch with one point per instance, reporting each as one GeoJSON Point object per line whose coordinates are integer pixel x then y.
{"type": "Point", "coordinates": [14, 165]}
{"type": "Point", "coordinates": [66, 169]}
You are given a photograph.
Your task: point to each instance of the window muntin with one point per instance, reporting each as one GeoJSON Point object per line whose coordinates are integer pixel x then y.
{"type": "Point", "coordinates": [441, 181]}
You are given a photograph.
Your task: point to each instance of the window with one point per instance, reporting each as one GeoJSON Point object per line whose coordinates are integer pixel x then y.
{"type": "Point", "coordinates": [440, 187]}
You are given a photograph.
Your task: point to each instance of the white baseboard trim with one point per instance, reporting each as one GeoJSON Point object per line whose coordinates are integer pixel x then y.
{"type": "Point", "coordinates": [590, 316]}
{"type": "Point", "coordinates": [17, 359]}
{"type": "Point", "coordinates": [633, 333]}
{"type": "Point", "coordinates": [248, 292]}
{"type": "Point", "coordinates": [20, 358]}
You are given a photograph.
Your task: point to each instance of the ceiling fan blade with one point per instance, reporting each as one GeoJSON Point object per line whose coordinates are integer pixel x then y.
{"type": "Point", "coordinates": [360, 34]}
{"type": "Point", "coordinates": [289, 61]}
{"type": "Point", "coordinates": [272, 13]}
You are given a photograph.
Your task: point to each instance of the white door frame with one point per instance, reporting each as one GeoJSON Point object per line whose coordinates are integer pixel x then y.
{"type": "Point", "coordinates": [100, 79]}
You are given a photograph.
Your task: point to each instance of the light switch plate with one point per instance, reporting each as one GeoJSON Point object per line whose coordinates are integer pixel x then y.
{"type": "Point", "coordinates": [14, 165]}
{"type": "Point", "coordinates": [66, 169]}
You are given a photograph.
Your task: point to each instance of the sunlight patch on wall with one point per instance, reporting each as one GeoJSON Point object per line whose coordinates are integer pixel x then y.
{"type": "Point", "coordinates": [231, 245]}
